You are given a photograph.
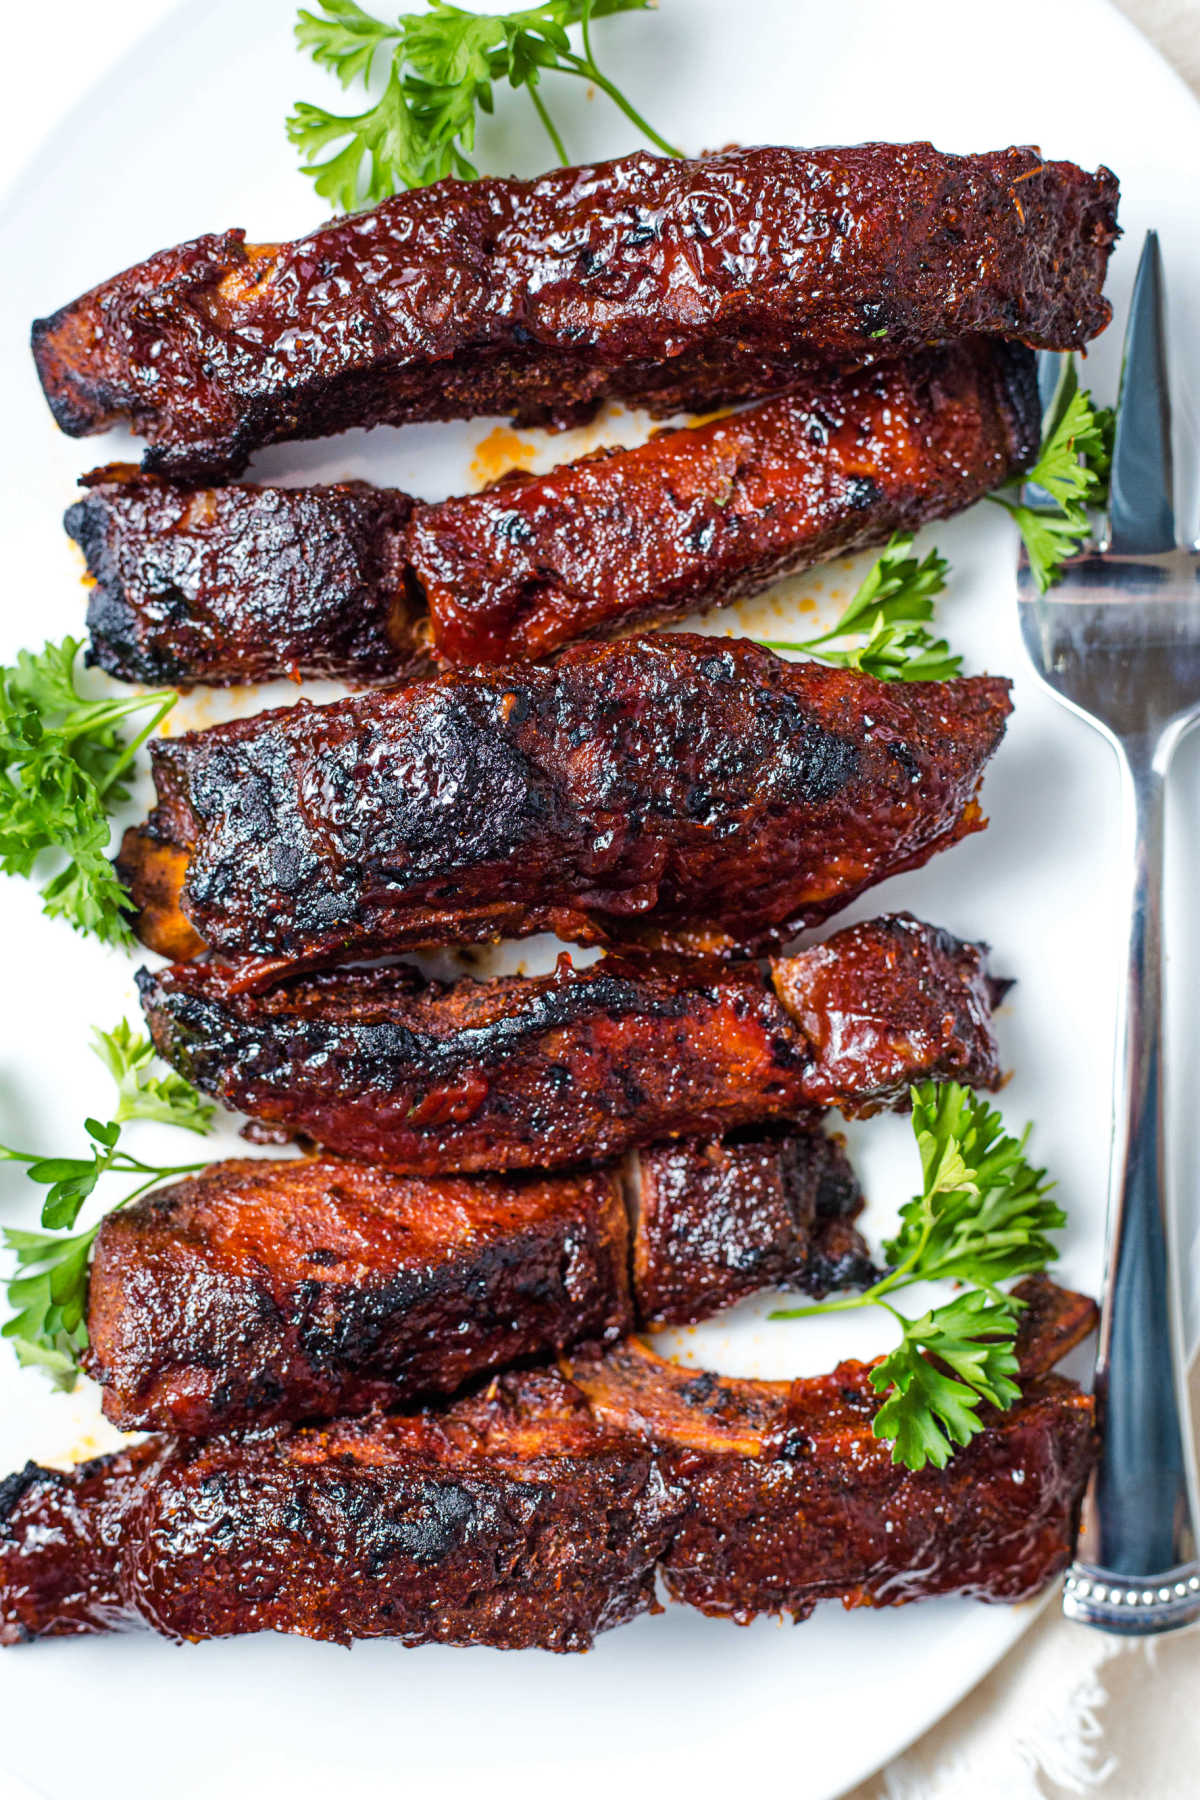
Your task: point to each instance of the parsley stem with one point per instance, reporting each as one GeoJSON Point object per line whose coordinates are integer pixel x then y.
{"type": "Point", "coordinates": [583, 65]}
{"type": "Point", "coordinates": [539, 105]}
{"type": "Point", "coordinates": [901, 1276]}
{"type": "Point", "coordinates": [153, 1179]}
{"type": "Point", "coordinates": [808, 647]}
{"type": "Point", "coordinates": [848, 1303]}
{"type": "Point", "coordinates": [166, 698]}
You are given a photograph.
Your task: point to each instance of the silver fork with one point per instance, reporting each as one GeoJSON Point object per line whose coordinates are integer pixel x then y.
{"type": "Point", "coordinates": [1119, 643]}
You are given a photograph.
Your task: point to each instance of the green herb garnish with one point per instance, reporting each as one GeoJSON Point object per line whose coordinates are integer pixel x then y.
{"type": "Point", "coordinates": [887, 621]}
{"type": "Point", "coordinates": [443, 66]}
{"type": "Point", "coordinates": [169, 1098]}
{"type": "Point", "coordinates": [982, 1217]}
{"type": "Point", "coordinates": [49, 1287]}
{"type": "Point", "coordinates": [1072, 471]}
{"type": "Point", "coordinates": [64, 764]}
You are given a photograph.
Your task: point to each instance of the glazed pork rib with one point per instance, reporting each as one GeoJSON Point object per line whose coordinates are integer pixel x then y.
{"type": "Point", "coordinates": [536, 1512]}
{"type": "Point", "coordinates": [512, 1519]}
{"type": "Point", "coordinates": [696, 518]}
{"type": "Point", "coordinates": [244, 583]}
{"type": "Point", "coordinates": [676, 789]}
{"type": "Point", "coordinates": [545, 1071]}
{"type": "Point", "coordinates": [262, 1291]}
{"type": "Point", "coordinates": [791, 1500]}
{"type": "Point", "coordinates": [677, 285]}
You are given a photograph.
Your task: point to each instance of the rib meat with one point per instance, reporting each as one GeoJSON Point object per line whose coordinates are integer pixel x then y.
{"type": "Point", "coordinates": [262, 1291]}
{"type": "Point", "coordinates": [671, 788]}
{"type": "Point", "coordinates": [512, 1519]}
{"type": "Point", "coordinates": [536, 1512]}
{"type": "Point", "coordinates": [696, 518]}
{"type": "Point", "coordinates": [716, 1220]}
{"type": "Point", "coordinates": [543, 1071]}
{"type": "Point", "coordinates": [246, 583]}
{"type": "Point", "coordinates": [675, 284]}
{"type": "Point", "coordinates": [791, 1500]}
{"type": "Point", "coordinates": [243, 584]}
{"type": "Point", "coordinates": [258, 1292]}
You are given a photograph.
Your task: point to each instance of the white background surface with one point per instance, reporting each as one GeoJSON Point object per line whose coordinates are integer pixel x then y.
{"type": "Point", "coordinates": [157, 157]}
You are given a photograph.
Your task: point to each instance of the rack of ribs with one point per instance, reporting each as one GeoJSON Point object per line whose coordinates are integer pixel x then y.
{"type": "Point", "coordinates": [537, 1511]}
{"type": "Point", "coordinates": [679, 790]}
{"type": "Point", "coordinates": [545, 1071]}
{"type": "Point", "coordinates": [247, 583]}
{"type": "Point", "coordinates": [675, 285]}
{"type": "Point", "coordinates": [262, 1291]}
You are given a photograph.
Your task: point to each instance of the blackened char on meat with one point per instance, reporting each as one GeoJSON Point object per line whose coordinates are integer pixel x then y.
{"type": "Point", "coordinates": [244, 584]}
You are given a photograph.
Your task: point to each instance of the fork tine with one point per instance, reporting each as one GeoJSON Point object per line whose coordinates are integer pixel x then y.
{"type": "Point", "coordinates": [1141, 511]}
{"type": "Point", "coordinates": [1049, 374]}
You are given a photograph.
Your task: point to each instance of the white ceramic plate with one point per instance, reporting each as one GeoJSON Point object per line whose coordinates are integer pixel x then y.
{"type": "Point", "coordinates": [187, 135]}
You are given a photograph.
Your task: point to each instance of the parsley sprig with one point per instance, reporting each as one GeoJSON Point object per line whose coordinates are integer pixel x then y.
{"type": "Point", "coordinates": [983, 1216]}
{"type": "Point", "coordinates": [443, 67]}
{"type": "Point", "coordinates": [64, 764]}
{"type": "Point", "coordinates": [1071, 471]}
{"type": "Point", "coordinates": [884, 630]}
{"type": "Point", "coordinates": [49, 1287]}
{"type": "Point", "coordinates": [141, 1094]}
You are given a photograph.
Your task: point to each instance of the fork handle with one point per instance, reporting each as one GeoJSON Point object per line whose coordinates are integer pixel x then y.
{"type": "Point", "coordinates": [1137, 1571]}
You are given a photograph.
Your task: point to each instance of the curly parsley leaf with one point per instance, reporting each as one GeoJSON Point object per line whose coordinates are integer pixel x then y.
{"type": "Point", "coordinates": [984, 1212]}
{"type": "Point", "coordinates": [443, 69]}
{"type": "Point", "coordinates": [48, 1289]}
{"type": "Point", "coordinates": [982, 1217]}
{"type": "Point", "coordinates": [169, 1098]}
{"type": "Point", "coordinates": [1071, 472]}
{"type": "Point", "coordinates": [64, 763]}
{"type": "Point", "coordinates": [946, 1363]}
{"type": "Point", "coordinates": [888, 620]}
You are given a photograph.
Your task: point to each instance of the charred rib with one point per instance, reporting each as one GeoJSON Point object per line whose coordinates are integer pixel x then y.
{"type": "Point", "coordinates": [265, 1291]}
{"type": "Point", "coordinates": [536, 1512]}
{"type": "Point", "coordinates": [698, 791]}
{"type": "Point", "coordinates": [246, 583]}
{"type": "Point", "coordinates": [544, 1071]}
{"type": "Point", "coordinates": [678, 285]}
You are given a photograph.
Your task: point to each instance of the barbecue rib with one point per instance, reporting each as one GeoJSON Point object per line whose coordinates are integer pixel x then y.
{"type": "Point", "coordinates": [717, 1220]}
{"type": "Point", "coordinates": [248, 583]}
{"type": "Point", "coordinates": [690, 790]}
{"type": "Point", "coordinates": [258, 1292]}
{"type": "Point", "coordinates": [671, 283]}
{"type": "Point", "coordinates": [242, 584]}
{"type": "Point", "coordinates": [511, 1519]}
{"type": "Point", "coordinates": [791, 1500]}
{"type": "Point", "coordinates": [535, 1512]}
{"type": "Point", "coordinates": [543, 1071]}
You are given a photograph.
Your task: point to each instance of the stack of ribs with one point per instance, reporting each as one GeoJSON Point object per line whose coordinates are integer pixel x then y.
{"type": "Point", "coordinates": [392, 1382]}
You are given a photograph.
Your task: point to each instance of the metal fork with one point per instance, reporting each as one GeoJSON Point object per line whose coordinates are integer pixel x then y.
{"type": "Point", "coordinates": [1119, 643]}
